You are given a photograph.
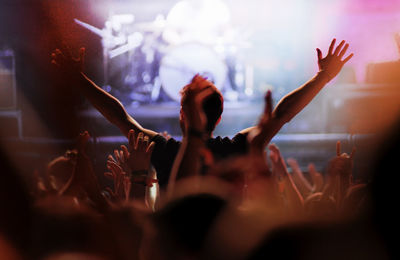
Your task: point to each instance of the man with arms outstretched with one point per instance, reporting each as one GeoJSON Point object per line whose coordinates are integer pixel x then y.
{"type": "Point", "coordinates": [165, 151]}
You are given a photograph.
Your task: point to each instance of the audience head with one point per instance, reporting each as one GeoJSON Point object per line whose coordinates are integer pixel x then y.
{"type": "Point", "coordinates": [182, 224]}
{"type": "Point", "coordinates": [15, 207]}
{"type": "Point", "coordinates": [384, 188]}
{"type": "Point", "coordinates": [213, 105]}
{"type": "Point", "coordinates": [8, 251]}
{"type": "Point", "coordinates": [63, 227]}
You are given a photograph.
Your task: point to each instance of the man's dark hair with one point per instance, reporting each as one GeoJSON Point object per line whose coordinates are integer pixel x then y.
{"type": "Point", "coordinates": [213, 106]}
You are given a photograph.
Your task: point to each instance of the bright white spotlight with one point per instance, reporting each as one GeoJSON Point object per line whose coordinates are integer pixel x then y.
{"type": "Point", "coordinates": [196, 20]}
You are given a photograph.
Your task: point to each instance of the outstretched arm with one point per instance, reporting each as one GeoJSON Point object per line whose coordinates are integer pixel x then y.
{"type": "Point", "coordinates": [110, 107]}
{"type": "Point", "coordinates": [291, 104]}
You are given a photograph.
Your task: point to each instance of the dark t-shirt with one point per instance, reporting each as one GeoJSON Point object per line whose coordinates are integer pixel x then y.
{"type": "Point", "coordinates": [165, 151]}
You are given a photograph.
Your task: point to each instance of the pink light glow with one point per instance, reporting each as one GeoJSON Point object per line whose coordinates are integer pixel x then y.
{"type": "Point", "coordinates": [368, 25]}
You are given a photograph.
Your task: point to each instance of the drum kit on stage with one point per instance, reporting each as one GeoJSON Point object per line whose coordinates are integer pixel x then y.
{"type": "Point", "coordinates": [151, 62]}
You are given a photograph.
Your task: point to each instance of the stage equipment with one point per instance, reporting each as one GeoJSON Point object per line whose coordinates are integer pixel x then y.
{"type": "Point", "coordinates": [10, 117]}
{"type": "Point", "coordinates": [150, 62]}
{"type": "Point", "coordinates": [361, 108]}
{"type": "Point", "coordinates": [8, 97]}
{"type": "Point", "coordinates": [383, 73]}
{"type": "Point", "coordinates": [183, 61]}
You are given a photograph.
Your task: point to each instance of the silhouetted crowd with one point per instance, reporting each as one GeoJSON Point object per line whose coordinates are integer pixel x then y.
{"type": "Point", "coordinates": [203, 197]}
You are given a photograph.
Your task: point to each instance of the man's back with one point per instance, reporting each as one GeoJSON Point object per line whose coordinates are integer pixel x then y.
{"type": "Point", "coordinates": [165, 151]}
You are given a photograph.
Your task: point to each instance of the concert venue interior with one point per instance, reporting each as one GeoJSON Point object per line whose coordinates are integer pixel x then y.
{"type": "Point", "coordinates": [144, 51]}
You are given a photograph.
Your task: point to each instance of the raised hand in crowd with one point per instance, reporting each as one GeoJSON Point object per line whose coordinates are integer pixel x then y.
{"type": "Point", "coordinates": [196, 92]}
{"type": "Point", "coordinates": [292, 103]}
{"type": "Point", "coordinates": [67, 63]}
{"type": "Point", "coordinates": [122, 183]}
{"type": "Point", "coordinates": [59, 172]}
{"type": "Point", "coordinates": [83, 183]}
{"type": "Point", "coordinates": [139, 153]}
{"type": "Point", "coordinates": [131, 166]}
{"type": "Point", "coordinates": [333, 62]}
{"type": "Point", "coordinates": [294, 198]}
{"type": "Point", "coordinates": [317, 178]}
{"type": "Point", "coordinates": [257, 137]}
{"type": "Point", "coordinates": [187, 162]}
{"type": "Point", "coordinates": [106, 104]}
{"type": "Point", "coordinates": [299, 179]}
{"type": "Point", "coordinates": [339, 174]}
{"type": "Point", "coordinates": [120, 159]}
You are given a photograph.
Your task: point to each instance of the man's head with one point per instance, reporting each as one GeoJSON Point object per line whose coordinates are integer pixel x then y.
{"type": "Point", "coordinates": [213, 105]}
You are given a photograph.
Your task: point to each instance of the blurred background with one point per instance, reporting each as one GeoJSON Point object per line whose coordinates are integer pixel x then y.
{"type": "Point", "coordinates": [143, 52]}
